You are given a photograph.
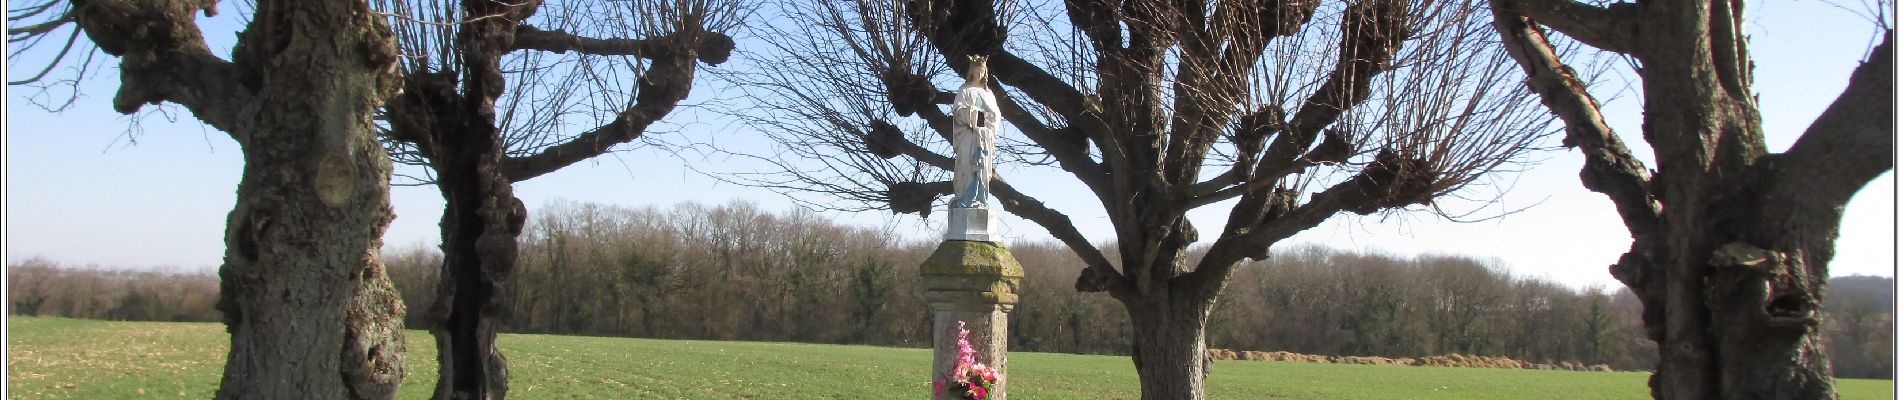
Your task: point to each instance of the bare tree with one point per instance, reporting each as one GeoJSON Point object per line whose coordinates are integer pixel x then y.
{"type": "Point", "coordinates": [1731, 242]}
{"type": "Point", "coordinates": [30, 283]}
{"type": "Point", "coordinates": [479, 133]}
{"type": "Point", "coordinates": [310, 312]}
{"type": "Point", "coordinates": [1293, 110]}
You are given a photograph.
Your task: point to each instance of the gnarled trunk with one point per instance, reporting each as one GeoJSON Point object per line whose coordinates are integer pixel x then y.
{"type": "Point", "coordinates": [479, 225]}
{"type": "Point", "coordinates": [1170, 335]}
{"type": "Point", "coordinates": [1733, 282]}
{"type": "Point", "coordinates": [310, 312]}
{"type": "Point", "coordinates": [482, 217]}
{"type": "Point", "coordinates": [1731, 243]}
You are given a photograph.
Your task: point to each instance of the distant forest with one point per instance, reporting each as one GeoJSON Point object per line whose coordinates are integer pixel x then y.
{"type": "Point", "coordinates": [735, 272]}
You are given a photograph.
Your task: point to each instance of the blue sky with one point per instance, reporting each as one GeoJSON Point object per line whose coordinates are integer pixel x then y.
{"type": "Point", "coordinates": [81, 190]}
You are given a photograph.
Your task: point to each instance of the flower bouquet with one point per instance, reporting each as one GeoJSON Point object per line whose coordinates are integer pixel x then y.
{"type": "Point", "coordinates": [972, 379]}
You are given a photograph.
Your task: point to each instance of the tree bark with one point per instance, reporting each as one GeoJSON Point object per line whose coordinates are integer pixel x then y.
{"type": "Point", "coordinates": [304, 295]}
{"type": "Point", "coordinates": [480, 222]}
{"type": "Point", "coordinates": [481, 219]}
{"type": "Point", "coordinates": [1170, 346]}
{"type": "Point", "coordinates": [1731, 243]}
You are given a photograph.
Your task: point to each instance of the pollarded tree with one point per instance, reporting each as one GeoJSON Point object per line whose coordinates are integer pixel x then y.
{"type": "Point", "coordinates": [303, 294]}
{"type": "Point", "coordinates": [479, 133]}
{"type": "Point", "coordinates": [1292, 111]}
{"type": "Point", "coordinates": [1731, 242]}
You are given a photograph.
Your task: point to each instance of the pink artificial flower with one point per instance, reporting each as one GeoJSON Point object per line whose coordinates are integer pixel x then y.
{"type": "Point", "coordinates": [967, 374]}
{"type": "Point", "coordinates": [986, 373]}
{"type": "Point", "coordinates": [965, 354]}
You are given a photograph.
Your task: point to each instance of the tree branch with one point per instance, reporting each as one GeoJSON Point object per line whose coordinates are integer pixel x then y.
{"type": "Point", "coordinates": [1243, 240]}
{"type": "Point", "coordinates": [1213, 80]}
{"type": "Point", "coordinates": [1062, 228]}
{"type": "Point", "coordinates": [1042, 87]}
{"type": "Point", "coordinates": [1070, 152]}
{"type": "Point", "coordinates": [1196, 198]}
{"type": "Point", "coordinates": [528, 37]}
{"type": "Point", "coordinates": [1374, 31]}
{"type": "Point", "coordinates": [1611, 28]}
{"type": "Point", "coordinates": [1206, 96]}
{"type": "Point", "coordinates": [41, 28]}
{"type": "Point", "coordinates": [163, 57]}
{"type": "Point", "coordinates": [1609, 168]}
{"type": "Point", "coordinates": [1851, 143]}
{"type": "Point", "coordinates": [659, 91]}
{"type": "Point", "coordinates": [712, 49]}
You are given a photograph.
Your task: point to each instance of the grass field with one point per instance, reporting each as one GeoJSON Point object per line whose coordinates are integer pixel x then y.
{"type": "Point", "coordinates": [49, 358]}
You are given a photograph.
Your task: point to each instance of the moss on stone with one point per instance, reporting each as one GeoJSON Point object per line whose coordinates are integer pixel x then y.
{"type": "Point", "coordinates": [971, 274]}
{"type": "Point", "coordinates": [966, 258]}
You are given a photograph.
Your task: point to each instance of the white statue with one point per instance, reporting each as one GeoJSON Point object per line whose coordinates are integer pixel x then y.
{"type": "Point", "coordinates": [974, 119]}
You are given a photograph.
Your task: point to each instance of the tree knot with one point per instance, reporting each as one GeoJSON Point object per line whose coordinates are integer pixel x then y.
{"type": "Point", "coordinates": [914, 197]}
{"type": "Point", "coordinates": [1393, 181]}
{"type": "Point", "coordinates": [883, 138]}
{"type": "Point", "coordinates": [1738, 254]}
{"type": "Point", "coordinates": [1250, 137]}
{"type": "Point", "coordinates": [1093, 280]}
{"type": "Point", "coordinates": [715, 48]}
{"type": "Point", "coordinates": [1774, 284]}
{"type": "Point", "coordinates": [908, 92]}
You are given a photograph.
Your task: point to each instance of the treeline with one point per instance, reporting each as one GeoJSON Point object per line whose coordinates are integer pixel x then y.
{"type": "Point", "coordinates": [735, 272]}
{"type": "Point", "coordinates": [37, 286]}
{"type": "Point", "coordinates": [731, 272]}
{"type": "Point", "coordinates": [1858, 328]}
{"type": "Point", "coordinates": [1319, 301]}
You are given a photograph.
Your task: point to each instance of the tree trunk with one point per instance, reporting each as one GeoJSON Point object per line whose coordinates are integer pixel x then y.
{"type": "Point", "coordinates": [1736, 289]}
{"type": "Point", "coordinates": [479, 227]}
{"type": "Point", "coordinates": [1735, 300]}
{"type": "Point", "coordinates": [1731, 243]}
{"type": "Point", "coordinates": [304, 295]}
{"type": "Point", "coordinates": [480, 224]}
{"type": "Point", "coordinates": [1733, 320]}
{"type": "Point", "coordinates": [1170, 347]}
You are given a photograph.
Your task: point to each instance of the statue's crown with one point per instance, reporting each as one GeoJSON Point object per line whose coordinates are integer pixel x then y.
{"type": "Point", "coordinates": [979, 70]}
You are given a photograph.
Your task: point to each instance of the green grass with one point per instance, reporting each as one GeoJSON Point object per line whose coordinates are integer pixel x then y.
{"type": "Point", "coordinates": [51, 358]}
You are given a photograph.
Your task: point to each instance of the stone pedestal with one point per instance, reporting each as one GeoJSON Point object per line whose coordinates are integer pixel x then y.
{"type": "Point", "coordinates": [972, 224]}
{"type": "Point", "coordinates": [974, 282]}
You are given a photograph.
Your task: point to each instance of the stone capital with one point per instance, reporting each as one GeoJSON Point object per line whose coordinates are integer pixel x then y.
{"type": "Point", "coordinates": [964, 274]}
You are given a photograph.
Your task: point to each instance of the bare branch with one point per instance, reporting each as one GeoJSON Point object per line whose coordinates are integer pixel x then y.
{"type": "Point", "coordinates": [1100, 271]}
{"type": "Point", "coordinates": [1213, 78]}
{"type": "Point", "coordinates": [39, 28]}
{"type": "Point", "coordinates": [1851, 143]}
{"type": "Point", "coordinates": [71, 41]}
{"type": "Point", "coordinates": [1612, 28]}
{"type": "Point", "coordinates": [679, 35]}
{"type": "Point", "coordinates": [713, 50]}
{"type": "Point", "coordinates": [162, 53]}
{"type": "Point", "coordinates": [1069, 147]}
{"type": "Point", "coordinates": [1237, 245]}
{"type": "Point", "coordinates": [1609, 168]}
{"type": "Point", "coordinates": [668, 82]}
{"type": "Point", "coordinates": [528, 37]}
{"type": "Point", "coordinates": [1373, 31]}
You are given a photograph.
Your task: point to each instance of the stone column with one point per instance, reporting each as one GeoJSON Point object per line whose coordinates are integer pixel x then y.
{"type": "Point", "coordinates": [974, 282]}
